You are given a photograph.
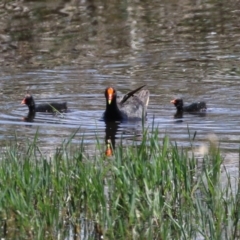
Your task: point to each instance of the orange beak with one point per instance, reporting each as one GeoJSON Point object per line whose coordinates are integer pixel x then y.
{"type": "Point", "coordinates": [110, 95]}
{"type": "Point", "coordinates": [23, 101]}
{"type": "Point", "coordinates": [173, 101]}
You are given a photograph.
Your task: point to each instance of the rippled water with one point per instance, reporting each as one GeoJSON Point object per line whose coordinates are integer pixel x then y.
{"type": "Point", "coordinates": [67, 52]}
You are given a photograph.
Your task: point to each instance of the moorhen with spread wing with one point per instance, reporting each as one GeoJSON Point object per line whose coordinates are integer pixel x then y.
{"type": "Point", "coordinates": [192, 108]}
{"type": "Point", "coordinates": [46, 107]}
{"type": "Point", "coordinates": [130, 107]}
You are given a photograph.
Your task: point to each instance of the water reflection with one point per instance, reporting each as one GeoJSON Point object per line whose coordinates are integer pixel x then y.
{"type": "Point", "coordinates": [111, 130]}
{"type": "Point", "coordinates": [109, 148]}
{"type": "Point", "coordinates": [180, 114]}
{"type": "Point", "coordinates": [123, 131]}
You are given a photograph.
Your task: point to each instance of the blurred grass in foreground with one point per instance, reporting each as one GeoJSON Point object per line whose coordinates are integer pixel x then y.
{"type": "Point", "coordinates": [151, 190]}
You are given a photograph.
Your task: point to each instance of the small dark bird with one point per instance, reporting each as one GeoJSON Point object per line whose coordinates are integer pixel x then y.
{"type": "Point", "coordinates": [192, 108]}
{"type": "Point", "coordinates": [130, 107]}
{"type": "Point", "coordinates": [46, 107]}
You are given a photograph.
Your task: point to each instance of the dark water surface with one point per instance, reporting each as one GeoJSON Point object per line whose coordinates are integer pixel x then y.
{"type": "Point", "coordinates": [65, 51]}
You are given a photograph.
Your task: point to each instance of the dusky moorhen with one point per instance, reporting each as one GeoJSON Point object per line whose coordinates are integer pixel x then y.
{"type": "Point", "coordinates": [46, 107]}
{"type": "Point", "coordinates": [130, 107]}
{"type": "Point", "coordinates": [194, 107]}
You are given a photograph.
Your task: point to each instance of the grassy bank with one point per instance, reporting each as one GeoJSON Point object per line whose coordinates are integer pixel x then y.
{"type": "Point", "coordinates": [150, 191]}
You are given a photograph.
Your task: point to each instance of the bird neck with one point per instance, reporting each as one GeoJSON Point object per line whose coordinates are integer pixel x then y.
{"type": "Point", "coordinates": [31, 106]}
{"type": "Point", "coordinates": [179, 108]}
{"type": "Point", "coordinates": [113, 104]}
{"type": "Point", "coordinates": [112, 111]}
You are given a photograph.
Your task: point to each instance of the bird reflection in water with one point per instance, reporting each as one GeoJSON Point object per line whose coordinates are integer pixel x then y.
{"type": "Point", "coordinates": [109, 150]}
{"type": "Point", "coordinates": [196, 108]}
{"type": "Point", "coordinates": [178, 115]}
{"type": "Point", "coordinates": [110, 137]}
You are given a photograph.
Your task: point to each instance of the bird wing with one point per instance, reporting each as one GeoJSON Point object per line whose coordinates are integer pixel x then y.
{"type": "Point", "coordinates": [130, 94]}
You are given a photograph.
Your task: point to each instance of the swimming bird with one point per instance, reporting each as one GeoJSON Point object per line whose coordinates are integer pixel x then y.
{"type": "Point", "coordinates": [132, 106]}
{"type": "Point", "coordinates": [192, 108]}
{"type": "Point", "coordinates": [46, 107]}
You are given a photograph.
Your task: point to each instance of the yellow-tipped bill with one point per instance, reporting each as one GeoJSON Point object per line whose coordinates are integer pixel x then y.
{"type": "Point", "coordinates": [110, 92]}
